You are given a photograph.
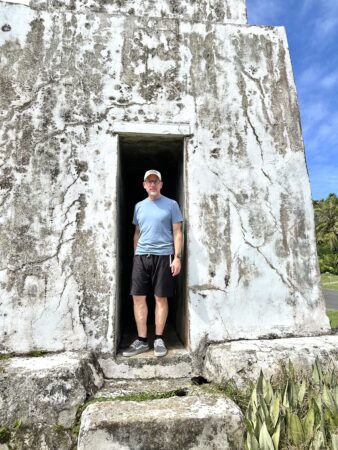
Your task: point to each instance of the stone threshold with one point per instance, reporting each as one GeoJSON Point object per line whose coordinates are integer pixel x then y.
{"type": "Point", "coordinates": [176, 364]}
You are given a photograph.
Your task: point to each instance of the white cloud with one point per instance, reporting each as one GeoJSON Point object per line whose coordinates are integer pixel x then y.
{"type": "Point", "coordinates": [325, 26]}
{"type": "Point", "coordinates": [315, 76]}
{"type": "Point", "coordinates": [328, 129]}
{"type": "Point", "coordinates": [313, 113]}
{"type": "Point", "coordinates": [316, 89]}
{"type": "Point", "coordinates": [309, 76]}
{"type": "Point", "coordinates": [330, 80]}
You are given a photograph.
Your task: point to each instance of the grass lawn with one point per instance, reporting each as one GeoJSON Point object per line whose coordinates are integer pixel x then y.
{"type": "Point", "coordinates": [329, 281]}
{"type": "Point", "coordinates": [333, 316]}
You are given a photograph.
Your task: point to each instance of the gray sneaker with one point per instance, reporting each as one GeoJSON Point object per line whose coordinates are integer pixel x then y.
{"type": "Point", "coordinates": [136, 347]}
{"type": "Point", "coordinates": [159, 347]}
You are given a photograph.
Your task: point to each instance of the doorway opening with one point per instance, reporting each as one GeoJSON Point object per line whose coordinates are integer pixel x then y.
{"type": "Point", "coordinates": [137, 154]}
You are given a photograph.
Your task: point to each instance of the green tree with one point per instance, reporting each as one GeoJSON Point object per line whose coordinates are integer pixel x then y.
{"type": "Point", "coordinates": [326, 219]}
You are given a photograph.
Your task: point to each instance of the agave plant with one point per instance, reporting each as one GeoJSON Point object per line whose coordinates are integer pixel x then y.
{"type": "Point", "coordinates": [302, 413]}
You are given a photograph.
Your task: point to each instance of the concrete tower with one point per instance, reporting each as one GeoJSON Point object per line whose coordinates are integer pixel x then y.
{"type": "Point", "coordinates": [93, 93]}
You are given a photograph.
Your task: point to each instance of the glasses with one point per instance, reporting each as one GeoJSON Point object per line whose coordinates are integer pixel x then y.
{"type": "Point", "coordinates": [152, 182]}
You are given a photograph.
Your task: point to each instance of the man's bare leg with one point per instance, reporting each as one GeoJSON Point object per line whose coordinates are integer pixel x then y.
{"type": "Point", "coordinates": [161, 314]}
{"type": "Point", "coordinates": [141, 314]}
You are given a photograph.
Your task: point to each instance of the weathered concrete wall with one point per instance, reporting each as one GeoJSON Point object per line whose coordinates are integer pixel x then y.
{"type": "Point", "coordinates": [68, 75]}
{"type": "Point", "coordinates": [57, 229]}
{"type": "Point", "coordinates": [223, 11]}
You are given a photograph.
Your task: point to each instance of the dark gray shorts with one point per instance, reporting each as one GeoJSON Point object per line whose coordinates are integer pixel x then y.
{"type": "Point", "coordinates": [152, 274]}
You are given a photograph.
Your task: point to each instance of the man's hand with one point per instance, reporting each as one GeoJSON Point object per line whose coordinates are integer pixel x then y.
{"type": "Point", "coordinates": [178, 238]}
{"type": "Point", "coordinates": [176, 267]}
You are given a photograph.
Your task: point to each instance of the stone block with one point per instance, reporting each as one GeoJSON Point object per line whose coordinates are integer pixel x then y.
{"type": "Point", "coordinates": [173, 423]}
{"type": "Point", "coordinates": [242, 361]}
{"type": "Point", "coordinates": [47, 389]}
{"type": "Point", "coordinates": [40, 437]}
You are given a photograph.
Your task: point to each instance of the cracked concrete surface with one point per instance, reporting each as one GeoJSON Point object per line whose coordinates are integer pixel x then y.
{"type": "Point", "coordinates": [70, 72]}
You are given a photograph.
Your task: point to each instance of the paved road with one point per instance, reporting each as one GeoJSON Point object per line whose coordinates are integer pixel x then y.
{"type": "Point", "coordinates": [331, 298]}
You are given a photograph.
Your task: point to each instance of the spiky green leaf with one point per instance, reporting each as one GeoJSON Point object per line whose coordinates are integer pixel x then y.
{"type": "Point", "coordinates": [268, 392]}
{"type": "Point", "coordinates": [276, 437]}
{"type": "Point", "coordinates": [308, 424]}
{"type": "Point", "coordinates": [265, 441]}
{"type": "Point", "coordinates": [291, 370]}
{"type": "Point", "coordinates": [335, 395]}
{"type": "Point", "coordinates": [317, 374]}
{"type": "Point", "coordinates": [327, 397]}
{"type": "Point", "coordinates": [293, 394]}
{"type": "Point", "coordinates": [295, 430]}
{"type": "Point", "coordinates": [259, 423]}
{"type": "Point", "coordinates": [302, 391]}
{"type": "Point", "coordinates": [249, 425]}
{"type": "Point", "coordinates": [260, 385]}
{"type": "Point", "coordinates": [251, 442]}
{"type": "Point", "coordinates": [266, 412]}
{"type": "Point", "coordinates": [285, 395]}
{"type": "Point", "coordinates": [260, 413]}
{"type": "Point", "coordinates": [334, 441]}
{"type": "Point", "coordinates": [251, 412]}
{"type": "Point", "coordinates": [318, 441]}
{"type": "Point", "coordinates": [274, 410]}
{"type": "Point", "coordinates": [253, 399]}
{"type": "Point", "coordinates": [329, 420]}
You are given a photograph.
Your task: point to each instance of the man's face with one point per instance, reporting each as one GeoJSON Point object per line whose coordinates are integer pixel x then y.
{"type": "Point", "coordinates": [153, 186]}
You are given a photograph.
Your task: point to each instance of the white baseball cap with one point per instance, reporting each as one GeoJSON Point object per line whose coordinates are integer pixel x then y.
{"type": "Point", "coordinates": [152, 172]}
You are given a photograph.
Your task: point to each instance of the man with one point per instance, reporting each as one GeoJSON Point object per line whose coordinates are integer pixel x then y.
{"type": "Point", "coordinates": [157, 246]}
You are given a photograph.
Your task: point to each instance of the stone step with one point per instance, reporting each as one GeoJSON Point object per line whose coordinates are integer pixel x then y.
{"type": "Point", "coordinates": [196, 422]}
{"type": "Point", "coordinates": [120, 388]}
{"type": "Point", "coordinates": [176, 364]}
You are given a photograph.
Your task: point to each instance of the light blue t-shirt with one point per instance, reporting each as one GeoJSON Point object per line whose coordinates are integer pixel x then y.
{"type": "Point", "coordinates": [155, 219]}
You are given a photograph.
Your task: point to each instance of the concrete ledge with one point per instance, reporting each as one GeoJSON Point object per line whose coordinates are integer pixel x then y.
{"type": "Point", "coordinates": [152, 129]}
{"type": "Point", "coordinates": [167, 424]}
{"type": "Point", "coordinates": [46, 389]}
{"type": "Point", "coordinates": [243, 360]}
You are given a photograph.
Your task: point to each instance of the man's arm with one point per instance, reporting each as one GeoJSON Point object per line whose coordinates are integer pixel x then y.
{"type": "Point", "coordinates": [136, 236]}
{"type": "Point", "coordinates": [178, 238]}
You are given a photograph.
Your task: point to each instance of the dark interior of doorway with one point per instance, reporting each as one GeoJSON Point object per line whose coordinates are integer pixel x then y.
{"type": "Point", "coordinates": [137, 154]}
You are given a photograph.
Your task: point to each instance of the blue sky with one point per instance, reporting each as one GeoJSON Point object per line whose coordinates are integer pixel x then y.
{"type": "Point", "coordinates": [312, 30]}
